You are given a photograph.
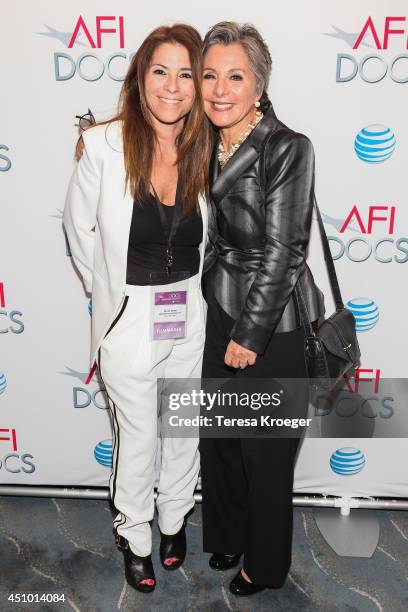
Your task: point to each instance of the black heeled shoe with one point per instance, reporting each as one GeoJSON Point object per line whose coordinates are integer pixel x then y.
{"type": "Point", "coordinates": [173, 546]}
{"type": "Point", "coordinates": [137, 569]}
{"type": "Point", "coordinates": [221, 562]}
{"type": "Point", "coordinates": [240, 586]}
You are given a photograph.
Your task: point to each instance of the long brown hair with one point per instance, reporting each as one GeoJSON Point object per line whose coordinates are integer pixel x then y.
{"type": "Point", "coordinates": [194, 143]}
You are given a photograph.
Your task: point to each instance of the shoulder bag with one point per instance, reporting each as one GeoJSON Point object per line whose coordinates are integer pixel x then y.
{"type": "Point", "coordinates": [333, 350]}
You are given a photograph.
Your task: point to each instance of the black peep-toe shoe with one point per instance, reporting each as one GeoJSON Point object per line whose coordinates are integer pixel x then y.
{"type": "Point", "coordinates": [137, 569]}
{"type": "Point", "coordinates": [173, 546]}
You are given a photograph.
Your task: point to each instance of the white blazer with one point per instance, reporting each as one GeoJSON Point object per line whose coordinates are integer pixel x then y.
{"type": "Point", "coordinates": [97, 219]}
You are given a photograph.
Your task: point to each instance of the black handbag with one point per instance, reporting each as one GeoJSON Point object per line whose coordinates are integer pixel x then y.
{"type": "Point", "coordinates": [333, 350]}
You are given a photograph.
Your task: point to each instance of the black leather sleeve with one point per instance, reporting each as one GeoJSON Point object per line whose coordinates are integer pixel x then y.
{"type": "Point", "coordinates": [289, 176]}
{"type": "Point", "coordinates": [210, 255]}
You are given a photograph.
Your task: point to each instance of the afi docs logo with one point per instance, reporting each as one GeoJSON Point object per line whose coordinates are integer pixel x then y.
{"type": "Point", "coordinates": [347, 461]}
{"type": "Point", "coordinates": [9, 319]}
{"type": "Point", "coordinates": [88, 392]}
{"type": "Point", "coordinates": [5, 161]}
{"type": "Point", "coordinates": [13, 461]}
{"type": "Point", "coordinates": [375, 399]}
{"type": "Point", "coordinates": [90, 66]}
{"type": "Point", "coordinates": [365, 311]}
{"type": "Point", "coordinates": [381, 36]}
{"type": "Point", "coordinates": [361, 223]}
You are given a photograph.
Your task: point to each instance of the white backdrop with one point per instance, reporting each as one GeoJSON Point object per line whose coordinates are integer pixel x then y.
{"type": "Point", "coordinates": [50, 419]}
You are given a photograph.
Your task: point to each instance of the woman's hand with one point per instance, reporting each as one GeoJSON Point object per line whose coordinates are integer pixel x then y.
{"type": "Point", "coordinates": [237, 356]}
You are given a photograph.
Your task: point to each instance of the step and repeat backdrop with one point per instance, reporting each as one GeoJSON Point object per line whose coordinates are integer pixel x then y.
{"type": "Point", "coordinates": [340, 75]}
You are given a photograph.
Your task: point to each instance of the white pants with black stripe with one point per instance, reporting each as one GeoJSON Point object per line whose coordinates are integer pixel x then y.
{"type": "Point", "coordinates": [130, 364]}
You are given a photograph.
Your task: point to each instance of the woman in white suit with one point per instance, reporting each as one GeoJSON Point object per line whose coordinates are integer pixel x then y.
{"type": "Point", "coordinates": [136, 222]}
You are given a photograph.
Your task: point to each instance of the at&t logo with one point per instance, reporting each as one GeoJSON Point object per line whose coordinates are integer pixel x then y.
{"type": "Point", "coordinates": [347, 461]}
{"type": "Point", "coordinates": [89, 393]}
{"type": "Point", "coordinates": [91, 66]}
{"type": "Point", "coordinates": [372, 66]}
{"type": "Point", "coordinates": [365, 311]}
{"type": "Point", "coordinates": [3, 382]}
{"type": "Point", "coordinates": [362, 223]}
{"type": "Point", "coordinates": [14, 461]}
{"type": "Point", "coordinates": [9, 319]}
{"type": "Point", "coordinates": [374, 144]}
{"type": "Point", "coordinates": [103, 453]}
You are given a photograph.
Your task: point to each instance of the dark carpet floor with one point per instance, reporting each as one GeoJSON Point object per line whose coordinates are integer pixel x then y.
{"type": "Point", "coordinates": [65, 546]}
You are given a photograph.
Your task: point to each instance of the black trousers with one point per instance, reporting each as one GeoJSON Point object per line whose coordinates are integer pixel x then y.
{"type": "Point", "coordinates": [247, 482]}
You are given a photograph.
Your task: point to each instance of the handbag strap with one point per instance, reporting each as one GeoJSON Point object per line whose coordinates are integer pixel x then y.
{"type": "Point", "coordinates": [334, 283]}
{"type": "Point", "coordinates": [304, 314]}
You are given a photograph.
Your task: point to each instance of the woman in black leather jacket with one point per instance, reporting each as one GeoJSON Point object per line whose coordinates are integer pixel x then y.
{"type": "Point", "coordinates": [262, 199]}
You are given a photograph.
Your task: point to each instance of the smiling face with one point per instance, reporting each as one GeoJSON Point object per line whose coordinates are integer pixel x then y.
{"type": "Point", "coordinates": [169, 85]}
{"type": "Point", "coordinates": [229, 87]}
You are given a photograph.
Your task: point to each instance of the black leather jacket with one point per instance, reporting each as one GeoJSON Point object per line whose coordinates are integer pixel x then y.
{"type": "Point", "coordinates": [259, 226]}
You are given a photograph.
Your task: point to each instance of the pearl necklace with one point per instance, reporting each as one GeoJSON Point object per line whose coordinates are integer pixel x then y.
{"type": "Point", "coordinates": [224, 156]}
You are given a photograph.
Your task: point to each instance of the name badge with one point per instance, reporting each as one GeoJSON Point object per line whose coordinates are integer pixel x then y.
{"type": "Point", "coordinates": [169, 310]}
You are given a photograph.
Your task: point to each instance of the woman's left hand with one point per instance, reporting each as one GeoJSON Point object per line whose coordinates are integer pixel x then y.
{"type": "Point", "coordinates": [237, 356]}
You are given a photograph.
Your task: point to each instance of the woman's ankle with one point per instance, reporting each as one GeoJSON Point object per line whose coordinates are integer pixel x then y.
{"type": "Point", "coordinates": [245, 576]}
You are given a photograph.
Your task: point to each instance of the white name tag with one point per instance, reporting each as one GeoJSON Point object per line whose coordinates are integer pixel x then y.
{"type": "Point", "coordinates": [169, 309]}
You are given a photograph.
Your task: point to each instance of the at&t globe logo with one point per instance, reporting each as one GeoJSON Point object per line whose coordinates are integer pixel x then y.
{"type": "Point", "coordinates": [365, 311]}
{"type": "Point", "coordinates": [103, 453]}
{"type": "Point", "coordinates": [3, 383]}
{"type": "Point", "coordinates": [347, 461]}
{"type": "Point", "coordinates": [374, 144]}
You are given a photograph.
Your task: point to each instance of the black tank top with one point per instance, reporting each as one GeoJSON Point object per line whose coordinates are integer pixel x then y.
{"type": "Point", "coordinates": [147, 245]}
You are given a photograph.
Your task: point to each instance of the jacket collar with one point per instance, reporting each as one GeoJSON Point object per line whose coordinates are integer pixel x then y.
{"type": "Point", "coordinates": [246, 155]}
